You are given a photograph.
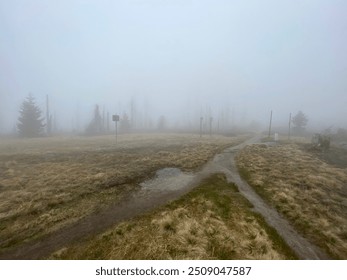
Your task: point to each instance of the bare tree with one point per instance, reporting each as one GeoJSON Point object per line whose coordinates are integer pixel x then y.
{"type": "Point", "coordinates": [95, 127]}
{"type": "Point", "coordinates": [162, 123]}
{"type": "Point", "coordinates": [125, 123]}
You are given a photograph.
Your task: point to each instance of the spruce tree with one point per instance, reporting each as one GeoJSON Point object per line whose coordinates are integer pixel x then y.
{"type": "Point", "coordinates": [30, 122]}
{"type": "Point", "coordinates": [299, 121]}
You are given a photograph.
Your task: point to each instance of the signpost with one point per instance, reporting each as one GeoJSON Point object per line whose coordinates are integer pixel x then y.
{"type": "Point", "coordinates": [115, 118]}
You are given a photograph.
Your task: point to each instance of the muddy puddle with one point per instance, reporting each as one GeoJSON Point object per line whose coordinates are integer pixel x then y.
{"type": "Point", "coordinates": [167, 179]}
{"type": "Point", "coordinates": [167, 185]}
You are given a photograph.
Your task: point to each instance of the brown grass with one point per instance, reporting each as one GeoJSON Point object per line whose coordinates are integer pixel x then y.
{"type": "Point", "coordinates": [48, 183]}
{"type": "Point", "coordinates": [311, 193]}
{"type": "Point", "coordinates": [214, 221]}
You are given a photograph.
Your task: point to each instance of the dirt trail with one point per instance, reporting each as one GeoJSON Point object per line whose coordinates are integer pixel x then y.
{"type": "Point", "coordinates": [225, 163]}
{"type": "Point", "coordinates": [150, 198]}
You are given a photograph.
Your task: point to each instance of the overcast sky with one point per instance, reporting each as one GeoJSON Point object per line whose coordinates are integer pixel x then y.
{"type": "Point", "coordinates": [250, 56]}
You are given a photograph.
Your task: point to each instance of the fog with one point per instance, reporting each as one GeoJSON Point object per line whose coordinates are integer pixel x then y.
{"type": "Point", "coordinates": [231, 60]}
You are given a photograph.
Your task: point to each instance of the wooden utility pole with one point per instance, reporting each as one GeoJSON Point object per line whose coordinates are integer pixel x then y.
{"type": "Point", "coordinates": [270, 124]}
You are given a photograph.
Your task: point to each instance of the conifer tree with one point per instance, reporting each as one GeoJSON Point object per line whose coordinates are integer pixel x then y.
{"type": "Point", "coordinates": [299, 121]}
{"type": "Point", "coordinates": [30, 123]}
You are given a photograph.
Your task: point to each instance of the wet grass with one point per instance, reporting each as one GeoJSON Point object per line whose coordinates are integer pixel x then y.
{"type": "Point", "coordinates": [49, 183]}
{"type": "Point", "coordinates": [309, 192]}
{"type": "Point", "coordinates": [214, 221]}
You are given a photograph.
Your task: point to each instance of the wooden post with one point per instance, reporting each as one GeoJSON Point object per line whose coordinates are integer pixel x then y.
{"type": "Point", "coordinates": [103, 118]}
{"type": "Point", "coordinates": [115, 118]}
{"type": "Point", "coordinates": [270, 124]}
{"type": "Point", "coordinates": [116, 132]}
{"type": "Point", "coordinates": [290, 120]}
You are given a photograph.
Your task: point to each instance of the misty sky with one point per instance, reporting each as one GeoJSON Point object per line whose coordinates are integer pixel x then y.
{"type": "Point", "coordinates": [173, 55]}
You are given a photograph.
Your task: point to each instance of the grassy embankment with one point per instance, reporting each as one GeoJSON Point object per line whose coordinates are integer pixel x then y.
{"type": "Point", "coordinates": [308, 187]}
{"type": "Point", "coordinates": [214, 221]}
{"type": "Point", "coordinates": [48, 183]}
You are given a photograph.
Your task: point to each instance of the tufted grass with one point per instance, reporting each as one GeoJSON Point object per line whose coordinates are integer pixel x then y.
{"type": "Point", "coordinates": [213, 221]}
{"type": "Point", "coordinates": [49, 183]}
{"type": "Point", "coordinates": [304, 185]}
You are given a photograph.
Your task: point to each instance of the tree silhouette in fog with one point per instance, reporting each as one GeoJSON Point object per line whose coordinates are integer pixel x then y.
{"type": "Point", "coordinates": [30, 123]}
{"type": "Point", "coordinates": [96, 125]}
{"type": "Point", "coordinates": [161, 123]}
{"type": "Point", "coordinates": [125, 124]}
{"type": "Point", "coordinates": [299, 121]}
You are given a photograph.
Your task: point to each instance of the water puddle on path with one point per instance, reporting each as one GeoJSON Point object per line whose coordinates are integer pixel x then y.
{"type": "Point", "coordinates": [167, 179]}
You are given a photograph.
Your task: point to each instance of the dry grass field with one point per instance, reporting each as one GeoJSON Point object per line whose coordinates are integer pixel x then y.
{"type": "Point", "coordinates": [214, 221]}
{"type": "Point", "coordinates": [48, 183]}
{"type": "Point", "coordinates": [308, 187]}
